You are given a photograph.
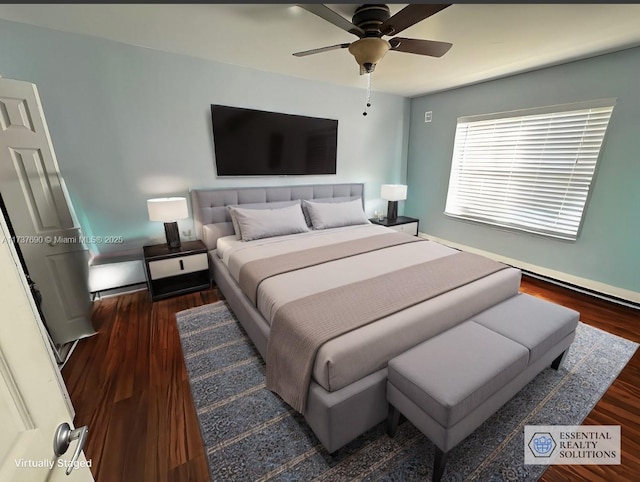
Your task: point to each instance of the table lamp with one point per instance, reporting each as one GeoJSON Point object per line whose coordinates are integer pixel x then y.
{"type": "Point", "coordinates": [393, 193]}
{"type": "Point", "coordinates": [169, 210]}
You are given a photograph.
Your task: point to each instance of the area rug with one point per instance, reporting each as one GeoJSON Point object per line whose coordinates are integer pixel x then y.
{"type": "Point", "coordinates": [250, 434]}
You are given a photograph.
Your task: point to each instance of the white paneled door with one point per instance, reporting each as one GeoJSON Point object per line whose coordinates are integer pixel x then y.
{"type": "Point", "coordinates": [40, 213]}
{"type": "Point", "coordinates": [33, 398]}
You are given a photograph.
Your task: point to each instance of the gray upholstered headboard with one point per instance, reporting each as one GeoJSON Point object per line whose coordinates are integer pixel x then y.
{"type": "Point", "coordinates": [211, 216]}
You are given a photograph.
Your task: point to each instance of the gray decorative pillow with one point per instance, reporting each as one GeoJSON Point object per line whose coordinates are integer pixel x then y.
{"type": "Point", "coordinates": [265, 223]}
{"type": "Point", "coordinates": [325, 200]}
{"type": "Point", "coordinates": [335, 215]}
{"type": "Point", "coordinates": [272, 205]}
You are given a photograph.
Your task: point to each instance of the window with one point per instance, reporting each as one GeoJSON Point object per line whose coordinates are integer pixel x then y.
{"type": "Point", "coordinates": [529, 170]}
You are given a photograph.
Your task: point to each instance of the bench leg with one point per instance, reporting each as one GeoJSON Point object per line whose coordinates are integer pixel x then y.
{"type": "Point", "coordinates": [555, 364]}
{"type": "Point", "coordinates": [392, 420]}
{"type": "Point", "coordinates": [439, 464]}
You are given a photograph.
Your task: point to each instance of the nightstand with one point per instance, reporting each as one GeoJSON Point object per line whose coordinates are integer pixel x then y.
{"type": "Point", "coordinates": [404, 224]}
{"type": "Point", "coordinates": [172, 272]}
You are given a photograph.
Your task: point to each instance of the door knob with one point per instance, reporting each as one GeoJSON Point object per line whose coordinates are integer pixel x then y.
{"type": "Point", "coordinates": [62, 439]}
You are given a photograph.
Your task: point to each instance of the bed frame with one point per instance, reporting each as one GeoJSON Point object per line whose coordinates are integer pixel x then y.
{"type": "Point", "coordinates": [335, 417]}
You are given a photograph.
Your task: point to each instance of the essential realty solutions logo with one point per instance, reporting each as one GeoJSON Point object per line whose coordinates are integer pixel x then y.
{"type": "Point", "coordinates": [542, 444]}
{"type": "Point", "coordinates": [572, 444]}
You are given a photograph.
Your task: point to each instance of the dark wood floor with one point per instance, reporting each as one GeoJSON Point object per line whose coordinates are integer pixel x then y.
{"type": "Point", "coordinates": [129, 385]}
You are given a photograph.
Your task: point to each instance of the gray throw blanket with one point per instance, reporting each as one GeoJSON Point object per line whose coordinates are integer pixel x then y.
{"type": "Point", "coordinates": [255, 272]}
{"type": "Point", "coordinates": [300, 327]}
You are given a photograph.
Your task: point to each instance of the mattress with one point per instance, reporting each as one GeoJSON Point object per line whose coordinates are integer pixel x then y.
{"type": "Point", "coordinates": [354, 355]}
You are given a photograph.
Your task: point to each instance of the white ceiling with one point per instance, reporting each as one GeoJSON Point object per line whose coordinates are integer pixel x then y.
{"type": "Point", "coordinates": [489, 41]}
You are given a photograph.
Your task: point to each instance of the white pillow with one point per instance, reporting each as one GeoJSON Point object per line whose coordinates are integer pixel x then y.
{"type": "Point", "coordinates": [335, 215]}
{"type": "Point", "coordinates": [264, 223]}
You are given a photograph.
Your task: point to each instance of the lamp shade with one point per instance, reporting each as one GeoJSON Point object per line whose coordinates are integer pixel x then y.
{"type": "Point", "coordinates": [393, 192]}
{"type": "Point", "coordinates": [167, 209]}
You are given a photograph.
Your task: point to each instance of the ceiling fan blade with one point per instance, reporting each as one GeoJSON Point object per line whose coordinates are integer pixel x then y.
{"type": "Point", "coordinates": [335, 18]}
{"type": "Point", "coordinates": [321, 49]}
{"type": "Point", "coordinates": [408, 16]}
{"type": "Point", "coordinates": [420, 47]}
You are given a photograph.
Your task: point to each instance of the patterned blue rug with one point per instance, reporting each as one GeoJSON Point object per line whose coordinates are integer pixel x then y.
{"type": "Point", "coordinates": [250, 434]}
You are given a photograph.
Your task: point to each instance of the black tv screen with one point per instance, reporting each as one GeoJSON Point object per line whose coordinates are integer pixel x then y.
{"type": "Point", "coordinates": [258, 143]}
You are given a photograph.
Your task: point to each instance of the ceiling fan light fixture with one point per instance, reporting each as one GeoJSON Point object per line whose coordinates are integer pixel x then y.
{"type": "Point", "coordinates": [369, 51]}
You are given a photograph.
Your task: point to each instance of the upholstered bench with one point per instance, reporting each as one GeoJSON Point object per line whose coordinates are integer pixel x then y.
{"type": "Point", "coordinates": [450, 384]}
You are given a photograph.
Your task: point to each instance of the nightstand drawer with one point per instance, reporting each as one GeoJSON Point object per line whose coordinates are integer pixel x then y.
{"type": "Point", "coordinates": [409, 228]}
{"type": "Point", "coordinates": [164, 268]}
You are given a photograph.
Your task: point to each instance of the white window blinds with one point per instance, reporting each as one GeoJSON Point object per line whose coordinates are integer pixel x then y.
{"type": "Point", "coordinates": [528, 170]}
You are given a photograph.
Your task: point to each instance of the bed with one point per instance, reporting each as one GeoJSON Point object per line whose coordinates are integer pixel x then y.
{"type": "Point", "coordinates": [273, 282]}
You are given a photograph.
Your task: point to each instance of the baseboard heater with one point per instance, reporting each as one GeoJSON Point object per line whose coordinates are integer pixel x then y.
{"type": "Point", "coordinates": [582, 289]}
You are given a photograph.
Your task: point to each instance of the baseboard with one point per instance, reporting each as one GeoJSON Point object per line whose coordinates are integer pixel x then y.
{"type": "Point", "coordinates": [121, 290]}
{"type": "Point", "coordinates": [595, 288]}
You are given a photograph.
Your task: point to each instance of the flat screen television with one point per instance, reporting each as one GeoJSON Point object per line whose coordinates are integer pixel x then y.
{"type": "Point", "coordinates": [251, 142]}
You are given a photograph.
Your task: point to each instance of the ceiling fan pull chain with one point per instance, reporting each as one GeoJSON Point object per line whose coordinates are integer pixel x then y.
{"type": "Point", "coordinates": [368, 93]}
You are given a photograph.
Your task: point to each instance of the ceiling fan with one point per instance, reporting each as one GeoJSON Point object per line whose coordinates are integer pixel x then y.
{"type": "Point", "coordinates": [370, 23]}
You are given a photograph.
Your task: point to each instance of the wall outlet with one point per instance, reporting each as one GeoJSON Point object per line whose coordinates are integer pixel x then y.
{"type": "Point", "coordinates": [428, 116]}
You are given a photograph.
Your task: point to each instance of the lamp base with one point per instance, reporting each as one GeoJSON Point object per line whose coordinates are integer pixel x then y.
{"type": "Point", "coordinates": [392, 210]}
{"type": "Point", "coordinates": [172, 234]}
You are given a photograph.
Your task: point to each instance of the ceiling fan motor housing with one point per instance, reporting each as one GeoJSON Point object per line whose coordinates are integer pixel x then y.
{"type": "Point", "coordinates": [370, 17]}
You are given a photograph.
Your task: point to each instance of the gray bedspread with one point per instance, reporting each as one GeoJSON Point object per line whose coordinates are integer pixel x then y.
{"type": "Point", "coordinates": [301, 326]}
{"type": "Point", "coordinates": [351, 356]}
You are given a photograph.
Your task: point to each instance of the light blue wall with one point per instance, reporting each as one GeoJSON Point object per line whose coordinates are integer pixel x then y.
{"type": "Point", "coordinates": [607, 250]}
{"type": "Point", "coordinates": [130, 123]}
